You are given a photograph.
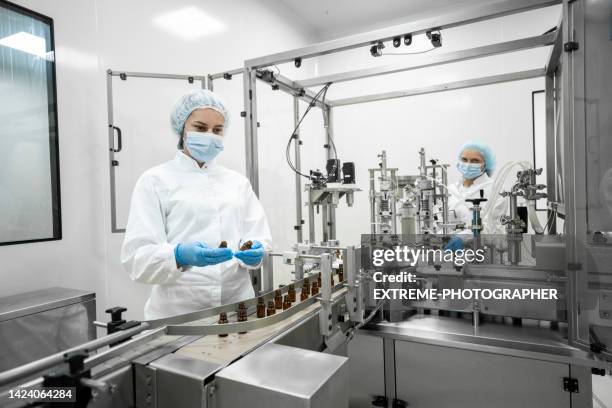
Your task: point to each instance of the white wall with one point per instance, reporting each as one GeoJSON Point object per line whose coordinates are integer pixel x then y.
{"type": "Point", "coordinates": [90, 37]}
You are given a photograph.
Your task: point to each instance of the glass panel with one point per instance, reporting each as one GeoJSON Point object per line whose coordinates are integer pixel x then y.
{"type": "Point", "coordinates": [29, 177]}
{"type": "Point", "coordinates": [598, 164]}
{"type": "Point", "coordinates": [145, 127]}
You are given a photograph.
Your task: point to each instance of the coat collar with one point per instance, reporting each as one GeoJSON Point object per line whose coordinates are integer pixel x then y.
{"type": "Point", "coordinates": [188, 163]}
{"type": "Point", "coordinates": [479, 182]}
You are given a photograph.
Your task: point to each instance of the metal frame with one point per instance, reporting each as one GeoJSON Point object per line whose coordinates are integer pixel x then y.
{"type": "Point", "coordinates": [574, 200]}
{"type": "Point", "coordinates": [450, 86]}
{"type": "Point", "coordinates": [467, 15]}
{"type": "Point", "coordinates": [574, 139]}
{"type": "Point", "coordinates": [436, 59]}
{"type": "Point", "coordinates": [113, 162]}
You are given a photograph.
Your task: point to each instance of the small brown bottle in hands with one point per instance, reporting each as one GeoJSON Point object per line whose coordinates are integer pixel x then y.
{"type": "Point", "coordinates": [223, 244]}
{"type": "Point", "coordinates": [247, 245]}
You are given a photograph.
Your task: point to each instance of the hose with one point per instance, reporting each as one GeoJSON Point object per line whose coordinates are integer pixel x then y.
{"type": "Point", "coordinates": [533, 217]}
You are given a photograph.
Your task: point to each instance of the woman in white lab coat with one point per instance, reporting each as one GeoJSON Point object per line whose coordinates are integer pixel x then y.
{"type": "Point", "coordinates": [183, 209]}
{"type": "Point", "coordinates": [476, 163]}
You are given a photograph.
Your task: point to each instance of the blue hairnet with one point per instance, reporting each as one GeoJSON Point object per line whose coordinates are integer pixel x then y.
{"type": "Point", "coordinates": [484, 150]}
{"type": "Point", "coordinates": [192, 100]}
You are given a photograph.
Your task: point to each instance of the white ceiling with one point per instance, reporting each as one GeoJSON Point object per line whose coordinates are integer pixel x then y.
{"type": "Point", "coordinates": [335, 18]}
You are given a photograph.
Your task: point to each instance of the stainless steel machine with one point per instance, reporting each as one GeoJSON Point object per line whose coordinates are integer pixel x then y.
{"type": "Point", "coordinates": [324, 340]}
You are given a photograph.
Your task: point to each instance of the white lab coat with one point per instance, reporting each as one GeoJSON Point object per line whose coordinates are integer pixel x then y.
{"type": "Point", "coordinates": [179, 202]}
{"type": "Point", "coordinates": [461, 211]}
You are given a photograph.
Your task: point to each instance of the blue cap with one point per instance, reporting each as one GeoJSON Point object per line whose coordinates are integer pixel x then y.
{"type": "Point", "coordinates": [192, 100]}
{"type": "Point", "coordinates": [484, 150]}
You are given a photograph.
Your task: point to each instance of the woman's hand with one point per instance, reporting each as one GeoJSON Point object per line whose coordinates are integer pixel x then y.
{"type": "Point", "coordinates": [253, 256]}
{"type": "Point", "coordinates": [455, 244]}
{"type": "Point", "coordinates": [200, 254]}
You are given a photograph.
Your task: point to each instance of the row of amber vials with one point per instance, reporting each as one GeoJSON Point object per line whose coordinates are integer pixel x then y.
{"type": "Point", "coordinates": [242, 317]}
{"type": "Point", "coordinates": [279, 302]}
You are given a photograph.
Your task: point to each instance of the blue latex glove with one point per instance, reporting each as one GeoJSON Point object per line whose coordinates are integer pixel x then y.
{"type": "Point", "coordinates": [454, 244]}
{"type": "Point", "coordinates": [251, 256]}
{"type": "Point", "coordinates": [200, 254]}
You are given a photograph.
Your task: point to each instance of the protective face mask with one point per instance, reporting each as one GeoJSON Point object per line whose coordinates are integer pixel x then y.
{"type": "Point", "coordinates": [469, 170]}
{"type": "Point", "coordinates": [204, 146]}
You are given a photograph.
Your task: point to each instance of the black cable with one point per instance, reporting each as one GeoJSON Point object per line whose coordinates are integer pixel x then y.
{"type": "Point", "coordinates": [312, 103]}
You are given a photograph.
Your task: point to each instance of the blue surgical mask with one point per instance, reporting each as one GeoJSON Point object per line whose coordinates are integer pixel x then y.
{"type": "Point", "coordinates": [470, 171]}
{"type": "Point", "coordinates": [204, 146]}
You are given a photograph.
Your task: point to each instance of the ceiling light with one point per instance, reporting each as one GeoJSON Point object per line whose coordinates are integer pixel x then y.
{"type": "Point", "coordinates": [189, 23]}
{"type": "Point", "coordinates": [26, 42]}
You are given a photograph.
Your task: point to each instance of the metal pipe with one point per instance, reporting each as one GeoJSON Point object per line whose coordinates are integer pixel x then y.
{"type": "Point", "coordinates": [267, 273]}
{"type": "Point", "coordinates": [111, 153]}
{"type": "Point", "coordinates": [17, 373]}
{"type": "Point", "coordinates": [156, 75]}
{"type": "Point", "coordinates": [393, 199]}
{"type": "Point", "coordinates": [445, 221]}
{"type": "Point", "coordinates": [324, 222]}
{"type": "Point", "coordinates": [298, 166]}
{"type": "Point", "coordinates": [372, 201]}
{"type": "Point", "coordinates": [332, 221]}
{"type": "Point", "coordinates": [218, 75]}
{"type": "Point", "coordinates": [465, 15]}
{"type": "Point", "coordinates": [449, 86]}
{"type": "Point", "coordinates": [250, 134]}
{"type": "Point", "coordinates": [311, 217]}
{"type": "Point", "coordinates": [329, 247]}
{"type": "Point", "coordinates": [329, 132]}
{"type": "Point", "coordinates": [432, 60]}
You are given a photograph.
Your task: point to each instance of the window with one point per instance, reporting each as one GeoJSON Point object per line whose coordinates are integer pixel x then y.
{"type": "Point", "coordinates": [29, 157]}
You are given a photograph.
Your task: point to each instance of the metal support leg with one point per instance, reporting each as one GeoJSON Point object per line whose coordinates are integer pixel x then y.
{"type": "Point", "coordinates": [354, 297]}
{"type": "Point", "coordinates": [325, 314]}
{"type": "Point", "coordinates": [311, 219]}
{"type": "Point", "coordinates": [389, 356]}
{"type": "Point", "coordinates": [298, 166]}
{"type": "Point", "coordinates": [332, 221]}
{"type": "Point", "coordinates": [372, 202]}
{"type": "Point", "coordinates": [250, 134]}
{"type": "Point", "coordinates": [324, 223]}
{"type": "Point", "coordinates": [267, 273]}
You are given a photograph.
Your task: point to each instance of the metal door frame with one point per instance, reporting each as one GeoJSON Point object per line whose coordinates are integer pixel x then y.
{"type": "Point", "coordinates": [112, 128]}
